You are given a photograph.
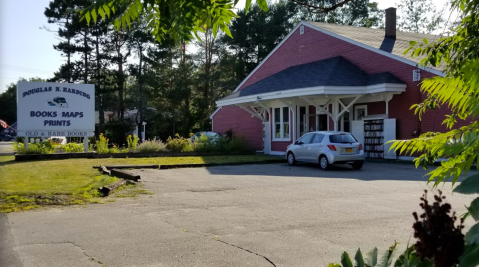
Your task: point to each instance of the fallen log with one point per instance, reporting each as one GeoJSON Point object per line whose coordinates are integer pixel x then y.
{"type": "Point", "coordinates": [106, 190]}
{"type": "Point", "coordinates": [124, 175]}
{"type": "Point", "coordinates": [149, 166]}
{"type": "Point", "coordinates": [105, 170]}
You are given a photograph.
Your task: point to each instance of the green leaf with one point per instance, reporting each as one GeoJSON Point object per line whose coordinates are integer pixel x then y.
{"type": "Point", "coordinates": [88, 18]}
{"type": "Point", "coordinates": [470, 257]}
{"type": "Point", "coordinates": [345, 260]}
{"type": "Point", "coordinates": [248, 4]}
{"type": "Point", "coordinates": [385, 259]}
{"type": "Point", "coordinates": [226, 30]}
{"type": "Point", "coordinates": [474, 209]}
{"type": "Point", "coordinates": [359, 259]}
{"type": "Point", "coordinates": [263, 4]}
{"type": "Point", "coordinates": [469, 186]}
{"type": "Point", "coordinates": [107, 10]}
{"type": "Point", "coordinates": [372, 257]}
{"type": "Point", "coordinates": [93, 14]}
{"type": "Point", "coordinates": [412, 43]}
{"type": "Point", "coordinates": [472, 236]}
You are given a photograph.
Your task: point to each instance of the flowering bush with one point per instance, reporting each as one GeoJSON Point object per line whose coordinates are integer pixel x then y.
{"type": "Point", "coordinates": [179, 144]}
{"type": "Point", "coordinates": [102, 145]}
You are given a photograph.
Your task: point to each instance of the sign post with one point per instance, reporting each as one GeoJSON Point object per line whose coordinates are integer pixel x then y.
{"type": "Point", "coordinates": [55, 109]}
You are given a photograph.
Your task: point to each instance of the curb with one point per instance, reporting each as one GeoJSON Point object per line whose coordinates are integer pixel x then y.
{"type": "Point", "coordinates": [199, 165]}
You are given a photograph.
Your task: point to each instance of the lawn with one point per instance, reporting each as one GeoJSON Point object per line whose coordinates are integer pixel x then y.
{"type": "Point", "coordinates": [27, 185]}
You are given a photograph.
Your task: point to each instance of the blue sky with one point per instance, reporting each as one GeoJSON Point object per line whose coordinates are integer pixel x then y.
{"type": "Point", "coordinates": [27, 51]}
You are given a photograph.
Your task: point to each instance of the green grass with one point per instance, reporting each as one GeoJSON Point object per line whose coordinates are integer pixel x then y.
{"type": "Point", "coordinates": [32, 184]}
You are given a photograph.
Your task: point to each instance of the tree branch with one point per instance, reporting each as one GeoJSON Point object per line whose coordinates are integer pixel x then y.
{"type": "Point", "coordinates": [320, 9]}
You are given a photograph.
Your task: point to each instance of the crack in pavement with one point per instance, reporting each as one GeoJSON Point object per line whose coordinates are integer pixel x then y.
{"type": "Point", "coordinates": [224, 242]}
{"type": "Point", "coordinates": [249, 251]}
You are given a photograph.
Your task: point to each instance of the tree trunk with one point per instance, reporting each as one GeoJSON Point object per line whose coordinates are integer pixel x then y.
{"type": "Point", "coordinates": [98, 78]}
{"type": "Point", "coordinates": [140, 82]}
{"type": "Point", "coordinates": [69, 77]}
{"type": "Point", "coordinates": [85, 43]}
{"type": "Point", "coordinates": [121, 78]}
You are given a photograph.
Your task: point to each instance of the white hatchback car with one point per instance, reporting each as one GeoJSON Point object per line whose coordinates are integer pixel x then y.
{"type": "Point", "coordinates": [327, 148]}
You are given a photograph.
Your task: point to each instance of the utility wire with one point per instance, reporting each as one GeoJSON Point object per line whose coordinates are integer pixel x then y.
{"type": "Point", "coordinates": [25, 69]}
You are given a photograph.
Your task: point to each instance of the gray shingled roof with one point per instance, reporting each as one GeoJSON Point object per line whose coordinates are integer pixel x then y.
{"type": "Point", "coordinates": [335, 71]}
{"type": "Point", "coordinates": [376, 38]}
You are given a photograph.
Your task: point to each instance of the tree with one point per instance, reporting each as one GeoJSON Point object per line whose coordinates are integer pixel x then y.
{"type": "Point", "coordinates": [8, 101]}
{"type": "Point", "coordinates": [419, 16]}
{"type": "Point", "coordinates": [458, 90]}
{"type": "Point", "coordinates": [361, 13]}
{"type": "Point", "coordinates": [181, 19]}
{"type": "Point", "coordinates": [251, 43]}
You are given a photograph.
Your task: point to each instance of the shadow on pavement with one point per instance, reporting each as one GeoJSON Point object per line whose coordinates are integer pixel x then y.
{"type": "Point", "coordinates": [371, 171]}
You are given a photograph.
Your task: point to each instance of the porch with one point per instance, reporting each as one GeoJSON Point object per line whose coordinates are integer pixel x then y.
{"type": "Point", "coordinates": [322, 95]}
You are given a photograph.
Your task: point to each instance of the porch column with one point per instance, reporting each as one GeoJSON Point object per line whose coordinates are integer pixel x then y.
{"type": "Point", "coordinates": [335, 113]}
{"type": "Point", "coordinates": [387, 97]}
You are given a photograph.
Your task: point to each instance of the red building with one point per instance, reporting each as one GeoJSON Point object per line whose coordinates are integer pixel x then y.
{"type": "Point", "coordinates": [332, 77]}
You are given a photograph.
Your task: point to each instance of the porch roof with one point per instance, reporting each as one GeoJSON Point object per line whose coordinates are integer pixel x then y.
{"type": "Point", "coordinates": [332, 76]}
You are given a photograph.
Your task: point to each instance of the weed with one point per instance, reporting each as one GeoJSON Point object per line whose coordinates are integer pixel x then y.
{"type": "Point", "coordinates": [132, 142]}
{"type": "Point", "coordinates": [131, 191]}
{"type": "Point", "coordinates": [151, 146]}
{"type": "Point", "coordinates": [102, 145]}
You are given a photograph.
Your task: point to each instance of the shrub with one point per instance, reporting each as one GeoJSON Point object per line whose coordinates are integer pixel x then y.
{"type": "Point", "coordinates": [151, 146]}
{"type": "Point", "coordinates": [45, 147]}
{"type": "Point", "coordinates": [179, 144]}
{"type": "Point", "coordinates": [102, 145]}
{"type": "Point", "coordinates": [114, 150]}
{"type": "Point", "coordinates": [239, 144]}
{"type": "Point", "coordinates": [205, 144]}
{"type": "Point", "coordinates": [132, 142]}
{"type": "Point", "coordinates": [236, 144]}
{"type": "Point", "coordinates": [18, 147]}
{"type": "Point", "coordinates": [73, 148]}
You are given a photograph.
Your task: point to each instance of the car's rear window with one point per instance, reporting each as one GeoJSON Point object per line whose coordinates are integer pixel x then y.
{"type": "Point", "coordinates": [342, 138]}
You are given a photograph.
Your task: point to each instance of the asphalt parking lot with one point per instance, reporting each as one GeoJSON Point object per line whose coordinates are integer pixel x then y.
{"type": "Point", "coordinates": [6, 148]}
{"type": "Point", "coordinates": [253, 215]}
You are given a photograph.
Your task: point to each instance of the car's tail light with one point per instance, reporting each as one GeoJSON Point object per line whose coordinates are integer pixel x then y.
{"type": "Point", "coordinates": [332, 147]}
{"type": "Point", "coordinates": [360, 146]}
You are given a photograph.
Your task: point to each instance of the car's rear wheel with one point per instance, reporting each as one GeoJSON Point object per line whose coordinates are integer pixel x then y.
{"type": "Point", "coordinates": [291, 159]}
{"type": "Point", "coordinates": [324, 163]}
{"type": "Point", "coordinates": [357, 165]}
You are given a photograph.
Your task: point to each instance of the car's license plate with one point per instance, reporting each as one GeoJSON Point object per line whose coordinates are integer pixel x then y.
{"type": "Point", "coordinates": [349, 150]}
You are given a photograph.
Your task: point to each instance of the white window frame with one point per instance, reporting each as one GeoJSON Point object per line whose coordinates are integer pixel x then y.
{"type": "Point", "coordinates": [281, 123]}
{"type": "Point", "coordinates": [356, 110]}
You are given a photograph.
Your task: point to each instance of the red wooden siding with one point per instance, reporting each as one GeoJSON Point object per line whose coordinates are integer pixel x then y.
{"type": "Point", "coordinates": [241, 123]}
{"type": "Point", "coordinates": [313, 46]}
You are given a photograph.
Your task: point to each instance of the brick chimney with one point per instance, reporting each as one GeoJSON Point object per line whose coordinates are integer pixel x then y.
{"type": "Point", "coordinates": [391, 22]}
